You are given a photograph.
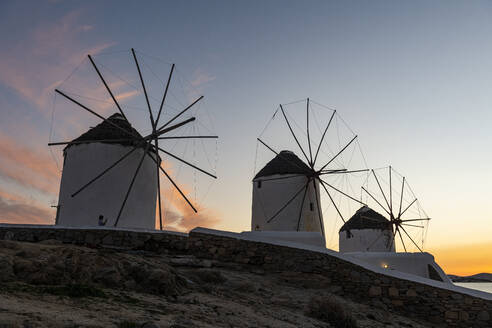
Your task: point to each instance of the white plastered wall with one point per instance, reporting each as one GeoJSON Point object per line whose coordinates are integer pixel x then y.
{"type": "Point", "coordinates": [105, 196]}
{"type": "Point", "coordinates": [274, 194]}
{"type": "Point", "coordinates": [363, 240]}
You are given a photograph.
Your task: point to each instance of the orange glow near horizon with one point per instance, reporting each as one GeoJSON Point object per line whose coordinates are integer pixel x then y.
{"type": "Point", "coordinates": [464, 260]}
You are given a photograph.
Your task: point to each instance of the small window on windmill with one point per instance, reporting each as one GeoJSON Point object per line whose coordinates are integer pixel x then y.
{"type": "Point", "coordinates": [258, 184]}
{"type": "Point", "coordinates": [311, 206]}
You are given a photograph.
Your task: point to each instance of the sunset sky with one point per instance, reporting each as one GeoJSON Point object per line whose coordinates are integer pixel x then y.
{"type": "Point", "coordinates": [412, 78]}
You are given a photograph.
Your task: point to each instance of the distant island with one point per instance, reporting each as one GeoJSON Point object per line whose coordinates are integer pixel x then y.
{"type": "Point", "coordinates": [479, 277]}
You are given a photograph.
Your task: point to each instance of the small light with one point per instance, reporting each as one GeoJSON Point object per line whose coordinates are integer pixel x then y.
{"type": "Point", "coordinates": [385, 265]}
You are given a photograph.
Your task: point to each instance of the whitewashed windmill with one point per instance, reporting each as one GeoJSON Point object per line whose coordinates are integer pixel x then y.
{"type": "Point", "coordinates": [286, 191]}
{"type": "Point", "coordinates": [370, 231]}
{"type": "Point", "coordinates": [114, 171]}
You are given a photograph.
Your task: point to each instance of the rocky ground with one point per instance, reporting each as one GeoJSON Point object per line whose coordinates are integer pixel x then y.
{"type": "Point", "coordinates": [57, 285]}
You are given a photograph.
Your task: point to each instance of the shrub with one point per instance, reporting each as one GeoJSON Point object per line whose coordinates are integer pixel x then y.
{"type": "Point", "coordinates": [329, 309]}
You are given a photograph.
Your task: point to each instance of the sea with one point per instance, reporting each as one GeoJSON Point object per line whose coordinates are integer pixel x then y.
{"type": "Point", "coordinates": [482, 286]}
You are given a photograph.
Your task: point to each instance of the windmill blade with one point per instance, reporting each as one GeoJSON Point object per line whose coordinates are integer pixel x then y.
{"type": "Point", "coordinates": [318, 206]}
{"type": "Point", "coordinates": [286, 204]}
{"type": "Point", "coordinates": [390, 194]}
{"type": "Point", "coordinates": [131, 184]}
{"type": "Point", "coordinates": [408, 207]}
{"type": "Point", "coordinates": [105, 171]}
{"type": "Point", "coordinates": [401, 197]}
{"type": "Point", "coordinates": [342, 171]}
{"type": "Point", "coordinates": [187, 163]}
{"type": "Point", "coordinates": [302, 205]}
{"type": "Point", "coordinates": [323, 137]}
{"type": "Point", "coordinates": [403, 243]}
{"type": "Point", "coordinates": [144, 89]}
{"type": "Point", "coordinates": [375, 241]}
{"type": "Point", "coordinates": [346, 195]}
{"type": "Point", "coordinates": [172, 127]}
{"type": "Point", "coordinates": [410, 220]}
{"type": "Point", "coordinates": [384, 208]}
{"type": "Point", "coordinates": [293, 134]}
{"type": "Point", "coordinates": [107, 87]}
{"type": "Point", "coordinates": [341, 151]}
{"type": "Point", "coordinates": [392, 239]}
{"type": "Point", "coordinates": [382, 192]}
{"type": "Point", "coordinates": [411, 240]}
{"type": "Point", "coordinates": [164, 96]}
{"type": "Point", "coordinates": [412, 225]}
{"type": "Point", "coordinates": [180, 113]}
{"type": "Point", "coordinates": [179, 190]}
{"type": "Point", "coordinates": [96, 114]}
{"type": "Point", "coordinates": [308, 137]}
{"type": "Point", "coordinates": [75, 142]}
{"type": "Point", "coordinates": [156, 144]}
{"type": "Point", "coordinates": [332, 201]}
{"type": "Point", "coordinates": [189, 137]}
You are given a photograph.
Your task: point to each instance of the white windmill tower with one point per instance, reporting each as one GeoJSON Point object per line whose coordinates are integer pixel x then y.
{"type": "Point", "coordinates": [113, 171]}
{"type": "Point", "coordinates": [273, 184]}
{"type": "Point", "coordinates": [90, 154]}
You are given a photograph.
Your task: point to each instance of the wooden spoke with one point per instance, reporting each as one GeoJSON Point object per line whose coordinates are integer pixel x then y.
{"type": "Point", "coordinates": [270, 148]}
{"type": "Point", "coordinates": [323, 137]}
{"type": "Point", "coordinates": [187, 163]}
{"type": "Point", "coordinates": [131, 184]}
{"type": "Point", "coordinates": [332, 201]}
{"type": "Point", "coordinates": [164, 96]}
{"type": "Point", "coordinates": [106, 85]}
{"type": "Point", "coordinates": [293, 134]}
{"type": "Point", "coordinates": [144, 89]}
{"type": "Point", "coordinates": [308, 137]}
{"type": "Point", "coordinates": [401, 197]}
{"type": "Point", "coordinates": [411, 240]}
{"type": "Point", "coordinates": [173, 127]}
{"type": "Point", "coordinates": [346, 195]}
{"type": "Point", "coordinates": [94, 113]}
{"type": "Point", "coordinates": [341, 151]}
{"type": "Point", "coordinates": [408, 206]}
{"type": "Point", "coordinates": [319, 209]}
{"type": "Point", "coordinates": [302, 205]}
{"type": "Point", "coordinates": [382, 192]}
{"type": "Point", "coordinates": [384, 208]}
{"type": "Point", "coordinates": [286, 204]}
{"type": "Point", "coordinates": [156, 145]}
{"type": "Point", "coordinates": [413, 225]}
{"type": "Point", "coordinates": [391, 191]}
{"type": "Point", "coordinates": [401, 238]}
{"type": "Point", "coordinates": [189, 137]}
{"type": "Point", "coordinates": [180, 113]}
{"type": "Point", "coordinates": [105, 171]}
{"type": "Point", "coordinates": [410, 220]}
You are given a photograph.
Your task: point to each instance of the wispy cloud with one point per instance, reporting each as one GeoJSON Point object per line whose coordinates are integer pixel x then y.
{"type": "Point", "coordinates": [43, 59]}
{"type": "Point", "coordinates": [15, 209]}
{"type": "Point", "coordinates": [27, 167]}
{"type": "Point", "coordinates": [180, 216]}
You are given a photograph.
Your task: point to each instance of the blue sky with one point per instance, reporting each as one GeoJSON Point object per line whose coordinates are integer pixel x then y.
{"type": "Point", "coordinates": [412, 78]}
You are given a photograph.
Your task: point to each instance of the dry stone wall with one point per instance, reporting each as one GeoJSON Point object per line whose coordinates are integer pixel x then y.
{"type": "Point", "coordinates": [440, 306]}
{"type": "Point", "coordinates": [151, 241]}
{"type": "Point", "coordinates": [417, 300]}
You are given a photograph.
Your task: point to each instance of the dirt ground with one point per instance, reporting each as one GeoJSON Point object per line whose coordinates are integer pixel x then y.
{"type": "Point", "coordinates": [55, 285]}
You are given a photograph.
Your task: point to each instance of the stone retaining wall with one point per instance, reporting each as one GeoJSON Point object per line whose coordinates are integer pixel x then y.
{"type": "Point", "coordinates": [418, 300]}
{"type": "Point", "coordinates": [412, 299]}
{"type": "Point", "coordinates": [151, 241]}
